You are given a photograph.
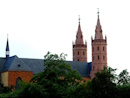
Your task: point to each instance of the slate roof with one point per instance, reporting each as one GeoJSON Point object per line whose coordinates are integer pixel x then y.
{"type": "Point", "coordinates": [37, 65]}
{"type": "Point", "coordinates": [2, 62]}
{"type": "Point", "coordinates": [82, 67]}
{"type": "Point", "coordinates": [15, 64]}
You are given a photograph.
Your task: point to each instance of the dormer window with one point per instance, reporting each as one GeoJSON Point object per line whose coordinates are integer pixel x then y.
{"type": "Point", "coordinates": [19, 65]}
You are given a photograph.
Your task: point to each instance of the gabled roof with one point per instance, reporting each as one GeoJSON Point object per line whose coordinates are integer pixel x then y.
{"type": "Point", "coordinates": [15, 64]}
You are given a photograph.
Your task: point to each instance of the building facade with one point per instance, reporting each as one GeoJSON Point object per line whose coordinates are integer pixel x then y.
{"type": "Point", "coordinates": [79, 47]}
{"type": "Point", "coordinates": [14, 69]}
{"type": "Point", "coordinates": [99, 49]}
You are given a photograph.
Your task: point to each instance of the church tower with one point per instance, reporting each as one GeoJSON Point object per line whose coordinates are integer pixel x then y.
{"type": "Point", "coordinates": [79, 47]}
{"type": "Point", "coordinates": [99, 50]}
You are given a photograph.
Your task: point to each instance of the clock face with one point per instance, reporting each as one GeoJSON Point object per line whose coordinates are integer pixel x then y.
{"type": "Point", "coordinates": [7, 52]}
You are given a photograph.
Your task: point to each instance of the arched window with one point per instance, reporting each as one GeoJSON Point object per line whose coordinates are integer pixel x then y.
{"type": "Point", "coordinates": [17, 82]}
{"type": "Point", "coordinates": [78, 59]}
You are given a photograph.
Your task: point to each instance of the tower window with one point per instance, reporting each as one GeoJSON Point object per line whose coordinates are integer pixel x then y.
{"type": "Point", "coordinates": [103, 57]}
{"type": "Point", "coordinates": [103, 48]}
{"type": "Point", "coordinates": [78, 59]}
{"type": "Point", "coordinates": [98, 48]}
{"type": "Point", "coordinates": [98, 57]}
{"type": "Point", "coordinates": [83, 53]}
{"type": "Point", "coordinates": [78, 52]}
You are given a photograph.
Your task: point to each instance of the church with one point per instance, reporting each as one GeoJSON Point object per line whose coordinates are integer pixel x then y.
{"type": "Point", "coordinates": [14, 69]}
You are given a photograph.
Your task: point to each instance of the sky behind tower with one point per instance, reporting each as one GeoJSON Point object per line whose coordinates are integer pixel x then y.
{"type": "Point", "coordinates": [37, 26]}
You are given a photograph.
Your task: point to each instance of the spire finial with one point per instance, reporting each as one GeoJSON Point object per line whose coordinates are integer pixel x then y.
{"type": "Point", "coordinates": [79, 18]}
{"type": "Point", "coordinates": [7, 35]}
{"type": "Point", "coordinates": [98, 11]}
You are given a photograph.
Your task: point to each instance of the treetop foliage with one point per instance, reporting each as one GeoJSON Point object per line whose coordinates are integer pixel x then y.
{"type": "Point", "coordinates": [58, 80]}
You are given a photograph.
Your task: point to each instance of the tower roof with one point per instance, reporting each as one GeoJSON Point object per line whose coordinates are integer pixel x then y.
{"type": "Point", "coordinates": [7, 45]}
{"type": "Point", "coordinates": [98, 30]}
{"type": "Point", "coordinates": [79, 36]}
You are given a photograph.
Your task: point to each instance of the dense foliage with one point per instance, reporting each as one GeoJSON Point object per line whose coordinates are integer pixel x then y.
{"type": "Point", "coordinates": [59, 81]}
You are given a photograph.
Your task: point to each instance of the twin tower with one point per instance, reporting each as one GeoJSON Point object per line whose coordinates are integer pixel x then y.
{"type": "Point", "coordinates": [99, 49]}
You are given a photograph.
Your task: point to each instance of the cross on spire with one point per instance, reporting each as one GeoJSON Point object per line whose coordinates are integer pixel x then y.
{"type": "Point", "coordinates": [7, 36]}
{"type": "Point", "coordinates": [79, 18]}
{"type": "Point", "coordinates": [98, 11]}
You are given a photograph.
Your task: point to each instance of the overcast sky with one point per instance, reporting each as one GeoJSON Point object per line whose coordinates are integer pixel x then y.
{"type": "Point", "coordinates": [37, 26]}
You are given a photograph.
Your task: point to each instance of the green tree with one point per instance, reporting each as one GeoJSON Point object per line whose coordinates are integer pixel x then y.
{"type": "Point", "coordinates": [102, 84]}
{"type": "Point", "coordinates": [83, 90]}
{"type": "Point", "coordinates": [124, 78]}
{"type": "Point", "coordinates": [5, 89]}
{"type": "Point", "coordinates": [57, 79]}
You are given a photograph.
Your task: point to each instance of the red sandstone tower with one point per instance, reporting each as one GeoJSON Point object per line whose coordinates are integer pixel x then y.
{"type": "Point", "coordinates": [79, 47]}
{"type": "Point", "coordinates": [99, 50]}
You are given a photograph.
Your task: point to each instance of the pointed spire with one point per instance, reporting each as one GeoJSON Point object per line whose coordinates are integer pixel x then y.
{"type": "Point", "coordinates": [7, 48]}
{"type": "Point", "coordinates": [98, 31]}
{"type": "Point", "coordinates": [79, 36]}
{"type": "Point", "coordinates": [7, 44]}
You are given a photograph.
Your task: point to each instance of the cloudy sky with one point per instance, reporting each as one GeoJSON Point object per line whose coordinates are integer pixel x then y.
{"type": "Point", "coordinates": [37, 26]}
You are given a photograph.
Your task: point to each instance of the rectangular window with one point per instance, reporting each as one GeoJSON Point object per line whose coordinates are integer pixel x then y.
{"type": "Point", "coordinates": [78, 52]}
{"type": "Point", "coordinates": [98, 48]}
{"type": "Point", "coordinates": [103, 57]}
{"type": "Point", "coordinates": [103, 48]}
{"type": "Point", "coordinates": [83, 53]}
{"type": "Point", "coordinates": [98, 57]}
